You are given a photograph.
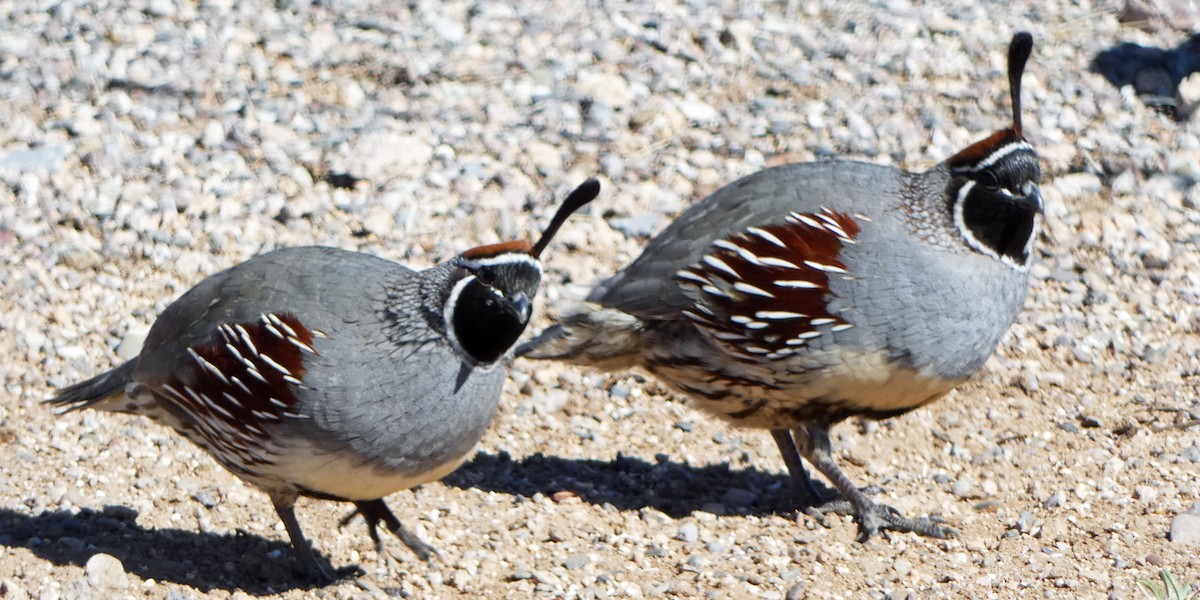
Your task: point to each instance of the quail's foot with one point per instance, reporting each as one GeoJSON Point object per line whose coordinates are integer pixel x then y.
{"type": "Point", "coordinates": [874, 517]}
{"type": "Point", "coordinates": [375, 512]}
{"type": "Point", "coordinates": [812, 441]}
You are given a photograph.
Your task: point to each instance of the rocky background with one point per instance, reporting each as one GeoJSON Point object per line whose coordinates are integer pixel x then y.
{"type": "Point", "coordinates": [145, 144]}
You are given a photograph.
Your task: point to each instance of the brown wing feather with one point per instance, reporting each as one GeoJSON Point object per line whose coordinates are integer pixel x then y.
{"type": "Point", "coordinates": [764, 291]}
{"type": "Point", "coordinates": [240, 384]}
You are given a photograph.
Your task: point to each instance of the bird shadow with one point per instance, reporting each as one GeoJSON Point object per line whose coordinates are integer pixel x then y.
{"type": "Point", "coordinates": [1154, 73]}
{"type": "Point", "coordinates": [259, 566]}
{"type": "Point", "coordinates": [626, 483]}
{"type": "Point", "coordinates": [205, 561]}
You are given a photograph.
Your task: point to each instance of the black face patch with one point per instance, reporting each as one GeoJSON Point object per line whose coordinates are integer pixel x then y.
{"type": "Point", "coordinates": [485, 323]}
{"type": "Point", "coordinates": [490, 306]}
{"type": "Point", "coordinates": [996, 202]}
{"type": "Point", "coordinates": [999, 224]}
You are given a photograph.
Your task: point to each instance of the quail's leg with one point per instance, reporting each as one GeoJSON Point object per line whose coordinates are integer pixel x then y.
{"type": "Point", "coordinates": [791, 457]}
{"type": "Point", "coordinates": [376, 511]}
{"type": "Point", "coordinates": [813, 442]}
{"type": "Point", "coordinates": [304, 554]}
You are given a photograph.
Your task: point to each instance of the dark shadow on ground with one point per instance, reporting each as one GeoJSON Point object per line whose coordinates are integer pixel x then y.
{"type": "Point", "coordinates": [627, 483]}
{"type": "Point", "coordinates": [205, 561]}
{"type": "Point", "coordinates": [262, 566]}
{"type": "Point", "coordinates": [1154, 73]}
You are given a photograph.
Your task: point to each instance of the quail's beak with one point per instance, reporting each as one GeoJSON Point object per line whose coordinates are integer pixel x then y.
{"type": "Point", "coordinates": [520, 306]}
{"type": "Point", "coordinates": [1031, 200]}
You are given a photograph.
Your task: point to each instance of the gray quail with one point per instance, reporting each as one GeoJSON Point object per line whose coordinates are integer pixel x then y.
{"type": "Point", "coordinates": [332, 374]}
{"type": "Point", "coordinates": [804, 294]}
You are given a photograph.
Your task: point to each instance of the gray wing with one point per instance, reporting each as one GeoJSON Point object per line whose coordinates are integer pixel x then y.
{"type": "Point", "coordinates": [648, 289]}
{"type": "Point", "coordinates": [308, 282]}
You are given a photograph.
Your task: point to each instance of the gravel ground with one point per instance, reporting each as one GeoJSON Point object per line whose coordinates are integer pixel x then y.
{"type": "Point", "coordinates": [146, 144]}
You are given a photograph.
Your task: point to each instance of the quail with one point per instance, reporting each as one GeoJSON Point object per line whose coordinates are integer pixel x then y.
{"type": "Point", "coordinates": [336, 375]}
{"type": "Point", "coordinates": [805, 294]}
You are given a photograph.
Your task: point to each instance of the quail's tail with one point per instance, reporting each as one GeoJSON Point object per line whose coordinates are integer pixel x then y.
{"type": "Point", "coordinates": [93, 392]}
{"type": "Point", "coordinates": [593, 336]}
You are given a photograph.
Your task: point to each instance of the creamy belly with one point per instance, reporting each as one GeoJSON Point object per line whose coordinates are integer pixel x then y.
{"type": "Point", "coordinates": [346, 475]}
{"type": "Point", "coordinates": [855, 384]}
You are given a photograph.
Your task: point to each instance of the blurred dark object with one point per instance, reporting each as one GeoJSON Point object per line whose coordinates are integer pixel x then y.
{"type": "Point", "coordinates": [1154, 73]}
{"type": "Point", "coordinates": [1152, 15]}
{"type": "Point", "coordinates": [343, 181]}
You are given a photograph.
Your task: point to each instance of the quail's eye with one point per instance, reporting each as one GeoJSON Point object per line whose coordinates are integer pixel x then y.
{"type": "Point", "coordinates": [485, 276]}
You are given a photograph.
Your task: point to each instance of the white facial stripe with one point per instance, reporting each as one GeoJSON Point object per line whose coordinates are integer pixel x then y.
{"type": "Point", "coordinates": [448, 313]}
{"type": "Point", "coordinates": [995, 157]}
{"type": "Point", "coordinates": [508, 258]}
{"type": "Point", "coordinates": [960, 221]}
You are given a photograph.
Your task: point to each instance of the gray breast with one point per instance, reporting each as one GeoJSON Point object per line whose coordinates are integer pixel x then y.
{"type": "Point", "coordinates": [931, 307]}
{"type": "Point", "coordinates": [389, 387]}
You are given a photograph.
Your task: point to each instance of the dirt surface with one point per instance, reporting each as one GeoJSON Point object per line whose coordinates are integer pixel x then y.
{"type": "Point", "coordinates": [148, 145]}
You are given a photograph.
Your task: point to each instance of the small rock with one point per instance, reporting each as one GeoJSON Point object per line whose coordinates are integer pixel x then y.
{"type": "Point", "coordinates": [1124, 184]}
{"type": "Point", "coordinates": [214, 134]}
{"type": "Point", "coordinates": [659, 589]}
{"type": "Point", "coordinates": [377, 156]}
{"type": "Point", "coordinates": [1054, 501]}
{"type": "Point", "coordinates": [697, 110]}
{"type": "Point", "coordinates": [1075, 185]}
{"type": "Point", "coordinates": [902, 566]}
{"type": "Point", "coordinates": [46, 159]}
{"type": "Point", "coordinates": [105, 572]}
{"type": "Point", "coordinates": [638, 226]}
{"type": "Point", "coordinates": [1090, 421]}
{"type": "Point", "coordinates": [1145, 492]}
{"type": "Point", "coordinates": [988, 506]}
{"type": "Point", "coordinates": [1025, 522]}
{"type": "Point", "coordinates": [1068, 427]}
{"type": "Point", "coordinates": [1185, 529]}
{"type": "Point", "coordinates": [545, 157]}
{"type": "Point", "coordinates": [520, 575]}
{"type": "Point", "coordinates": [547, 578]}
{"type": "Point", "coordinates": [796, 592]}
{"type": "Point", "coordinates": [609, 88]}
{"type": "Point", "coordinates": [576, 561]}
{"type": "Point", "coordinates": [990, 487]}
{"type": "Point", "coordinates": [688, 532]}
{"type": "Point", "coordinates": [962, 488]}
{"type": "Point", "coordinates": [131, 344]}
{"type": "Point", "coordinates": [613, 166]}
{"type": "Point", "coordinates": [738, 497]}
{"type": "Point", "coordinates": [206, 498]}
{"type": "Point", "coordinates": [351, 94]}
{"type": "Point", "coordinates": [450, 30]}
{"type": "Point", "coordinates": [161, 8]}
